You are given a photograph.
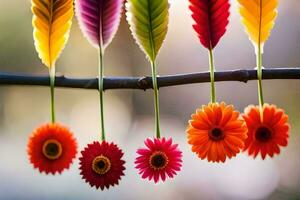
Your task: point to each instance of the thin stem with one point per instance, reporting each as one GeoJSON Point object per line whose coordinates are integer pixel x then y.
{"type": "Point", "coordinates": [259, 75]}
{"type": "Point", "coordinates": [212, 76]}
{"type": "Point", "coordinates": [101, 91]}
{"type": "Point", "coordinates": [52, 86]}
{"type": "Point", "coordinates": [156, 99]}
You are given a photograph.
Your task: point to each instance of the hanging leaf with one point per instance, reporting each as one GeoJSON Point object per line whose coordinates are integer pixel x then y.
{"type": "Point", "coordinates": [148, 20]}
{"type": "Point", "coordinates": [211, 20]}
{"type": "Point", "coordinates": [99, 20]}
{"type": "Point", "coordinates": [258, 17]}
{"type": "Point", "coordinates": [51, 21]}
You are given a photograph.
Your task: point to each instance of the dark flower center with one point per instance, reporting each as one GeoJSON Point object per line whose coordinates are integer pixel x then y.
{"type": "Point", "coordinates": [216, 134]}
{"type": "Point", "coordinates": [263, 134]}
{"type": "Point", "coordinates": [101, 165]}
{"type": "Point", "coordinates": [52, 149]}
{"type": "Point", "coordinates": [158, 160]}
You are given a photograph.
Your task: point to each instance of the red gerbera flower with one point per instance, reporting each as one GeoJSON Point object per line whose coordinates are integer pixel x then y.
{"type": "Point", "coordinates": [159, 159]}
{"type": "Point", "coordinates": [51, 148]}
{"type": "Point", "coordinates": [217, 131]}
{"type": "Point", "coordinates": [101, 164]}
{"type": "Point", "coordinates": [267, 130]}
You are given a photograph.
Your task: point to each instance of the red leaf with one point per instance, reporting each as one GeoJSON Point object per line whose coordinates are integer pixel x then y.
{"type": "Point", "coordinates": [211, 20]}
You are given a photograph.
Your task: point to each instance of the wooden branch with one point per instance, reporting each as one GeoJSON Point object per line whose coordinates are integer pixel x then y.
{"type": "Point", "coordinates": [145, 83]}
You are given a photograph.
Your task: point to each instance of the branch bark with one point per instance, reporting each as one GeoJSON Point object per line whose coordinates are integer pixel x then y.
{"type": "Point", "coordinates": [145, 83]}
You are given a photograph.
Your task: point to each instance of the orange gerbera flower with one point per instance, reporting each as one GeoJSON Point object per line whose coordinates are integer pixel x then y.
{"type": "Point", "coordinates": [217, 131]}
{"type": "Point", "coordinates": [267, 130]}
{"type": "Point", "coordinates": [52, 148]}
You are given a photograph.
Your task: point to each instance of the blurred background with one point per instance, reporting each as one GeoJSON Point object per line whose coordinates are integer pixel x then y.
{"type": "Point", "coordinates": [129, 114]}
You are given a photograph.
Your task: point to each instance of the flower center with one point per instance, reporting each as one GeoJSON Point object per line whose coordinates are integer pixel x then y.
{"type": "Point", "coordinates": [263, 134]}
{"type": "Point", "coordinates": [101, 165]}
{"type": "Point", "coordinates": [52, 149]}
{"type": "Point", "coordinates": [216, 134]}
{"type": "Point", "coordinates": [158, 160]}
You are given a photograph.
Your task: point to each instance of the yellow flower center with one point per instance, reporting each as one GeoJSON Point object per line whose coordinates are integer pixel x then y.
{"type": "Point", "coordinates": [158, 160]}
{"type": "Point", "coordinates": [52, 149]}
{"type": "Point", "coordinates": [101, 165]}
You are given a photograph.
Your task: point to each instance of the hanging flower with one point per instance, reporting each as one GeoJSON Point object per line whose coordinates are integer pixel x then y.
{"type": "Point", "coordinates": [216, 131]}
{"type": "Point", "coordinates": [267, 130]}
{"type": "Point", "coordinates": [51, 148]}
{"type": "Point", "coordinates": [101, 164]}
{"type": "Point", "coordinates": [159, 159]}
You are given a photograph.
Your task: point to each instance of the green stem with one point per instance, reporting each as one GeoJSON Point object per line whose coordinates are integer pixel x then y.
{"type": "Point", "coordinates": [52, 85]}
{"type": "Point", "coordinates": [212, 76]}
{"type": "Point", "coordinates": [101, 91]}
{"type": "Point", "coordinates": [156, 99]}
{"type": "Point", "coordinates": [259, 75]}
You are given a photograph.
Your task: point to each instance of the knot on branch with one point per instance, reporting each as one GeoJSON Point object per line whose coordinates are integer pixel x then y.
{"type": "Point", "coordinates": [242, 75]}
{"type": "Point", "coordinates": [145, 83]}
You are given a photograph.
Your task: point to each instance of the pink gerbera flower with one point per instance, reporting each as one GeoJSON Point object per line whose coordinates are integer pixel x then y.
{"type": "Point", "coordinates": [159, 159]}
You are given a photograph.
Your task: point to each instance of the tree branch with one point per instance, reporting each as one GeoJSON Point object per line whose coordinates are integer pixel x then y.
{"type": "Point", "coordinates": [144, 83]}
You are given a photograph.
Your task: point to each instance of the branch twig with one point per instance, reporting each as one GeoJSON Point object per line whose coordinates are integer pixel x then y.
{"type": "Point", "coordinates": [144, 83]}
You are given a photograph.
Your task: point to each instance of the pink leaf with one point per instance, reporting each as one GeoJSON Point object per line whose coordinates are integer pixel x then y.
{"type": "Point", "coordinates": [99, 19]}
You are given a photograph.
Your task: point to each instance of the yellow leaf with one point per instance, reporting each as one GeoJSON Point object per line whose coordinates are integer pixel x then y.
{"type": "Point", "coordinates": [51, 22]}
{"type": "Point", "coordinates": [258, 17]}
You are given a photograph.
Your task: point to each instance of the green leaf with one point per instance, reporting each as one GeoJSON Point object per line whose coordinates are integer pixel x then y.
{"type": "Point", "coordinates": [148, 21]}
